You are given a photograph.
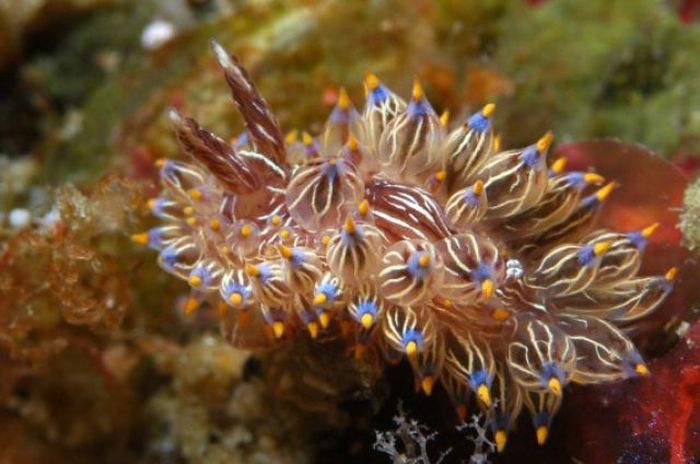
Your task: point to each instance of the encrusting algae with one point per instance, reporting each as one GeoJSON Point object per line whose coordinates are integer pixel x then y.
{"type": "Point", "coordinates": [405, 235]}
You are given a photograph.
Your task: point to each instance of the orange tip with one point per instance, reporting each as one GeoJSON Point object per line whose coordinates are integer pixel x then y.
{"type": "Point", "coordinates": [285, 251]}
{"type": "Point", "coordinates": [417, 93]}
{"type": "Point", "coordinates": [292, 137]}
{"type": "Point", "coordinates": [424, 260]}
{"type": "Point", "coordinates": [235, 299]}
{"type": "Point", "coordinates": [343, 99]}
{"type": "Point", "coordinates": [371, 81]}
{"type": "Point", "coordinates": [367, 320]}
{"type": "Point", "coordinates": [313, 329]}
{"type": "Point", "coordinates": [191, 306]}
{"type": "Point", "coordinates": [497, 140]}
{"type": "Point", "coordinates": [605, 191]}
{"type": "Point", "coordinates": [195, 194]}
{"type": "Point", "coordinates": [325, 319]}
{"type": "Point", "coordinates": [542, 433]}
{"type": "Point", "coordinates": [488, 110]}
{"type": "Point", "coordinates": [445, 118]}
{"type": "Point", "coordinates": [252, 270]}
{"type": "Point", "coordinates": [500, 437]}
{"type": "Point", "coordinates": [484, 395]}
{"type": "Point", "coordinates": [545, 141]}
{"type": "Point", "coordinates": [246, 230]}
{"type": "Point", "coordinates": [648, 231]}
{"type": "Point", "coordinates": [353, 144]}
{"type": "Point", "coordinates": [350, 225]}
{"type": "Point", "coordinates": [554, 386]}
{"type": "Point", "coordinates": [411, 348]}
{"type": "Point", "coordinates": [671, 273]}
{"type": "Point", "coordinates": [500, 314]}
{"type": "Point", "coordinates": [641, 369]}
{"type": "Point", "coordinates": [278, 329]}
{"type": "Point", "coordinates": [363, 209]}
{"type": "Point", "coordinates": [559, 165]}
{"type": "Point", "coordinates": [593, 178]}
{"type": "Point", "coordinates": [306, 139]}
{"type": "Point", "coordinates": [141, 239]}
{"type": "Point", "coordinates": [320, 299]}
{"type": "Point", "coordinates": [487, 288]}
{"type": "Point", "coordinates": [427, 384]}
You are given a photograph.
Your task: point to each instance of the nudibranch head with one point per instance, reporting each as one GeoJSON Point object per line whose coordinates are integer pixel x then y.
{"type": "Point", "coordinates": [483, 268]}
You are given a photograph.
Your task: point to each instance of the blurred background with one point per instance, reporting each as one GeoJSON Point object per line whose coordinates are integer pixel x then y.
{"type": "Point", "coordinates": [94, 362]}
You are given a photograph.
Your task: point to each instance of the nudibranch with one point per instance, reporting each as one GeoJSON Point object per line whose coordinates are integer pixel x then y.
{"type": "Point", "coordinates": [409, 237]}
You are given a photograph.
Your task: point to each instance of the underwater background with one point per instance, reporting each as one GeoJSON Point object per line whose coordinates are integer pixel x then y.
{"type": "Point", "coordinates": [98, 360]}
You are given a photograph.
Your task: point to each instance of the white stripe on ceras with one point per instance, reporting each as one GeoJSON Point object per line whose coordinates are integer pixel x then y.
{"type": "Point", "coordinates": [261, 128]}
{"type": "Point", "coordinates": [182, 177]}
{"type": "Point", "coordinates": [601, 308]}
{"type": "Point", "coordinates": [339, 252]}
{"type": "Point", "coordinates": [399, 321]}
{"type": "Point", "coordinates": [314, 185]}
{"type": "Point", "coordinates": [461, 265]}
{"type": "Point", "coordinates": [566, 252]}
{"type": "Point", "coordinates": [564, 228]}
{"type": "Point", "coordinates": [460, 153]}
{"type": "Point", "coordinates": [562, 196]}
{"type": "Point", "coordinates": [265, 160]}
{"type": "Point", "coordinates": [571, 283]}
{"type": "Point", "coordinates": [377, 117]}
{"type": "Point", "coordinates": [412, 207]}
{"type": "Point", "coordinates": [508, 201]}
{"type": "Point", "coordinates": [535, 343]}
{"type": "Point", "coordinates": [531, 380]}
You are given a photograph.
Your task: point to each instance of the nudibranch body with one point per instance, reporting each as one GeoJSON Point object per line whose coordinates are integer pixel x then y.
{"type": "Point", "coordinates": [412, 237]}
